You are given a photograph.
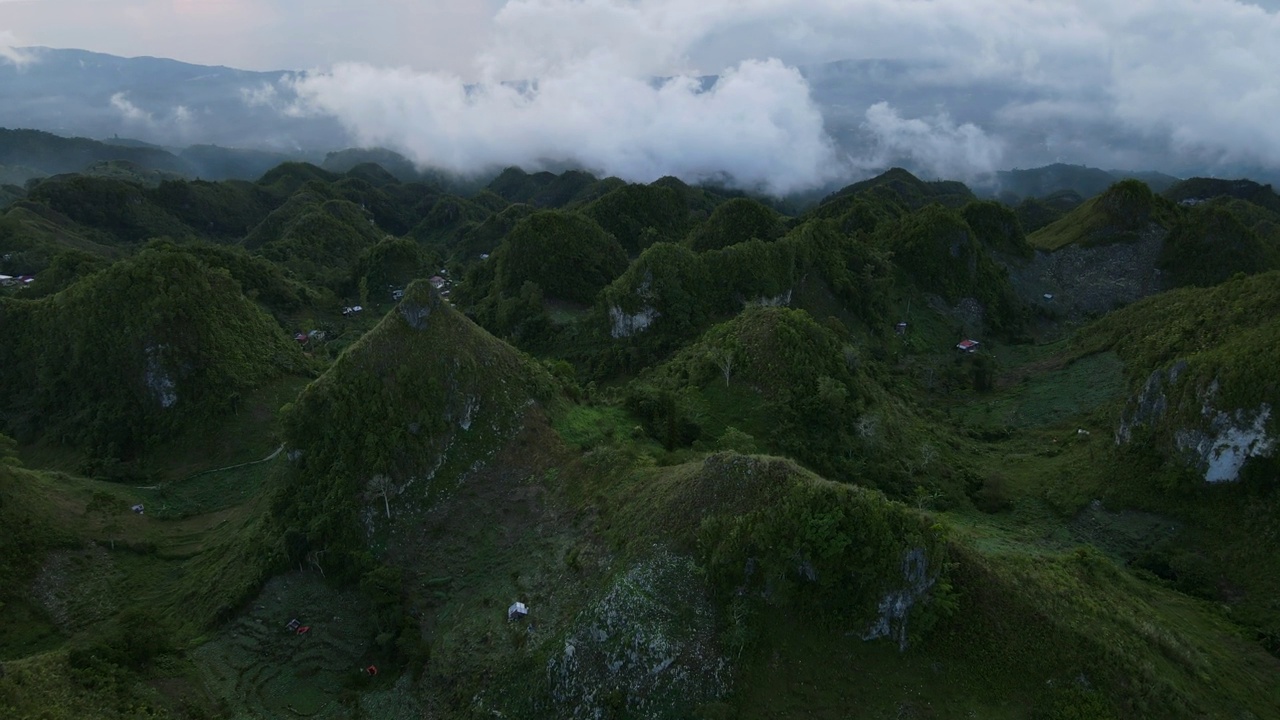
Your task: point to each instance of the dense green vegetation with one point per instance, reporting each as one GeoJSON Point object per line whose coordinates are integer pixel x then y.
{"type": "Point", "coordinates": [568, 256]}
{"type": "Point", "coordinates": [136, 352]}
{"type": "Point", "coordinates": [1209, 244]}
{"type": "Point", "coordinates": [724, 449]}
{"type": "Point", "coordinates": [1121, 214]}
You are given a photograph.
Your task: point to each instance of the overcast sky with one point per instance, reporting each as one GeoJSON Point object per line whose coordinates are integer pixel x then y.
{"type": "Point", "coordinates": [1197, 76]}
{"type": "Point", "coordinates": [451, 35]}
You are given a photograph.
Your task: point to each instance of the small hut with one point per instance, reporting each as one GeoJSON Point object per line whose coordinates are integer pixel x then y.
{"type": "Point", "coordinates": [517, 611]}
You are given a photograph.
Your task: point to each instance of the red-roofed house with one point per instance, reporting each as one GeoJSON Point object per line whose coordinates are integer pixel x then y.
{"type": "Point", "coordinates": [968, 346]}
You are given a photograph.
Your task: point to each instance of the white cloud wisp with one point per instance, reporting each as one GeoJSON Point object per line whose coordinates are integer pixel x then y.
{"type": "Point", "coordinates": [756, 124]}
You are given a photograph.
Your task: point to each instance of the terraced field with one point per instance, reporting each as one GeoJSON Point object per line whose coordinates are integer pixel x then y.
{"type": "Point", "coordinates": [267, 670]}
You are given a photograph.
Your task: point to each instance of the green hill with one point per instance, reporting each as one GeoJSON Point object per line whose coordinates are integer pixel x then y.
{"type": "Point", "coordinates": [422, 396]}
{"type": "Point", "coordinates": [939, 250]}
{"type": "Point", "coordinates": [1201, 189]}
{"type": "Point", "coordinates": [1036, 213]}
{"type": "Point", "coordinates": [569, 256]}
{"type": "Point", "coordinates": [1121, 214]}
{"type": "Point", "coordinates": [53, 155]}
{"type": "Point", "coordinates": [640, 215]}
{"type": "Point", "coordinates": [316, 236]}
{"type": "Point", "coordinates": [32, 235]}
{"type": "Point", "coordinates": [148, 347]}
{"type": "Point", "coordinates": [545, 189]}
{"type": "Point", "coordinates": [1209, 244]}
{"type": "Point", "coordinates": [358, 161]}
{"type": "Point", "coordinates": [122, 209]}
{"type": "Point", "coordinates": [737, 220]}
{"type": "Point", "coordinates": [1044, 181]}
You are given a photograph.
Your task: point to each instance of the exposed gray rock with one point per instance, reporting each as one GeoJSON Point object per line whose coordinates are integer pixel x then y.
{"type": "Point", "coordinates": [416, 309]}
{"type": "Point", "coordinates": [1090, 280]}
{"type": "Point", "coordinates": [158, 380]}
{"type": "Point", "coordinates": [628, 324]}
{"type": "Point", "coordinates": [896, 605]}
{"type": "Point", "coordinates": [780, 300]}
{"type": "Point", "coordinates": [1221, 449]}
{"type": "Point", "coordinates": [1220, 445]}
{"type": "Point", "coordinates": [648, 643]}
{"type": "Point", "coordinates": [1151, 403]}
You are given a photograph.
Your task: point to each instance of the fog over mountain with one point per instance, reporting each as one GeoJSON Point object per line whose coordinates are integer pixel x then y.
{"type": "Point", "coordinates": [776, 96]}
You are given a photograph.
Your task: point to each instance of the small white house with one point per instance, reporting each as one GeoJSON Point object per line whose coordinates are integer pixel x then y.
{"type": "Point", "coordinates": [517, 611]}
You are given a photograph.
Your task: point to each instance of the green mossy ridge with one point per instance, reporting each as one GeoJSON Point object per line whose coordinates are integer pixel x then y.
{"type": "Point", "coordinates": [688, 290]}
{"type": "Point", "coordinates": [1037, 213]}
{"type": "Point", "coordinates": [567, 255]}
{"type": "Point", "coordinates": [448, 217]}
{"type": "Point", "coordinates": [997, 227]}
{"type": "Point", "coordinates": [121, 209]}
{"type": "Point", "coordinates": [485, 237]}
{"type": "Point", "coordinates": [391, 264]}
{"type": "Point", "coordinates": [736, 221]}
{"type": "Point", "coordinates": [545, 189]}
{"type": "Point", "coordinates": [897, 187]}
{"type": "Point", "coordinates": [938, 249]}
{"type": "Point", "coordinates": [225, 210]}
{"type": "Point", "coordinates": [33, 236]}
{"type": "Point", "coordinates": [795, 387]}
{"type": "Point", "coordinates": [1120, 214]}
{"type": "Point", "coordinates": [288, 178]}
{"type": "Point", "coordinates": [1199, 188]}
{"type": "Point", "coordinates": [106, 358]}
{"type": "Point", "coordinates": [316, 237]}
{"type": "Point", "coordinates": [54, 154]}
{"type": "Point", "coordinates": [1226, 322]}
{"type": "Point", "coordinates": [822, 548]}
{"type": "Point", "coordinates": [640, 215]}
{"type": "Point", "coordinates": [1209, 244]}
{"type": "Point", "coordinates": [418, 399]}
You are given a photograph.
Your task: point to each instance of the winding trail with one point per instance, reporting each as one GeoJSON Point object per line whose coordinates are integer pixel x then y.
{"type": "Point", "coordinates": [268, 458]}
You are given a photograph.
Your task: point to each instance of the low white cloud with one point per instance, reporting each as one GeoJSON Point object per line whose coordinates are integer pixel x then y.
{"type": "Point", "coordinates": [281, 97]}
{"type": "Point", "coordinates": [11, 54]}
{"type": "Point", "coordinates": [176, 123]}
{"type": "Point", "coordinates": [936, 146]}
{"type": "Point", "coordinates": [1195, 77]}
{"type": "Point", "coordinates": [261, 95]}
{"type": "Point", "coordinates": [121, 103]}
{"type": "Point", "coordinates": [1157, 82]}
{"type": "Point", "coordinates": [756, 124]}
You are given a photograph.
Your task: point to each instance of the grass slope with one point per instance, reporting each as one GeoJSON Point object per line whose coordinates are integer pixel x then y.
{"type": "Point", "coordinates": [1117, 215]}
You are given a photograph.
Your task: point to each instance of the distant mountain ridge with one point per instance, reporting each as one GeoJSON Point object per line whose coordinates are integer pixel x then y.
{"type": "Point", "coordinates": [175, 104]}
{"type": "Point", "coordinates": [76, 92]}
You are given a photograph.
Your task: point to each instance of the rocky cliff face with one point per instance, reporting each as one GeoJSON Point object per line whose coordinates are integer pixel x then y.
{"type": "Point", "coordinates": [1215, 441]}
{"type": "Point", "coordinates": [627, 324]}
{"type": "Point", "coordinates": [896, 605]}
{"type": "Point", "coordinates": [1090, 280]}
{"type": "Point", "coordinates": [1226, 440]}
